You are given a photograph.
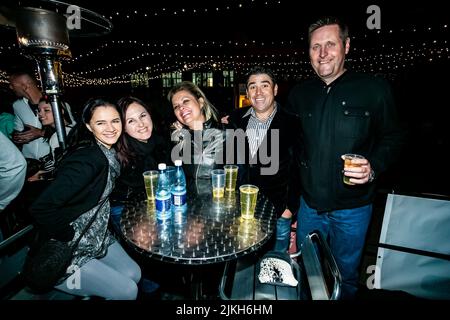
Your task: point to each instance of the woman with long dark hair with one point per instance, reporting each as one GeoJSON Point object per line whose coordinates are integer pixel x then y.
{"type": "Point", "coordinates": [139, 148]}
{"type": "Point", "coordinates": [83, 181]}
{"type": "Point", "coordinates": [45, 113]}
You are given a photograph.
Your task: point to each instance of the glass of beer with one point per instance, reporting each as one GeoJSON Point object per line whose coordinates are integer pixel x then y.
{"type": "Point", "coordinates": [348, 157]}
{"type": "Point", "coordinates": [151, 183]}
{"type": "Point", "coordinates": [218, 183]}
{"type": "Point", "coordinates": [231, 171]}
{"type": "Point", "coordinates": [248, 195]}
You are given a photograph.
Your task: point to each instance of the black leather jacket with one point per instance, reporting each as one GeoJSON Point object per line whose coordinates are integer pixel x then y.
{"type": "Point", "coordinates": [201, 151]}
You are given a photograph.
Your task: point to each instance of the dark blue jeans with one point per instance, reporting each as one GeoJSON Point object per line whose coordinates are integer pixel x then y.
{"type": "Point", "coordinates": [345, 231]}
{"type": "Point", "coordinates": [116, 214]}
{"type": "Point", "coordinates": [282, 234]}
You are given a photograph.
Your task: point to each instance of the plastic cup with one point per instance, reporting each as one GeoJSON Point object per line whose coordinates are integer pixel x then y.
{"type": "Point", "coordinates": [231, 172]}
{"type": "Point", "coordinates": [151, 183]}
{"type": "Point", "coordinates": [348, 157]}
{"type": "Point", "coordinates": [248, 195]}
{"type": "Point", "coordinates": [218, 183]}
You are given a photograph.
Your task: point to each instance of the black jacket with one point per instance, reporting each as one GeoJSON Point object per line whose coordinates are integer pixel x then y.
{"type": "Point", "coordinates": [353, 114]}
{"type": "Point", "coordinates": [282, 188]}
{"type": "Point", "coordinates": [78, 185]}
{"type": "Point", "coordinates": [147, 156]}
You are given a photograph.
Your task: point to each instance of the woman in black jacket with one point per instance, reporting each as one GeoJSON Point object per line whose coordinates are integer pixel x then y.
{"type": "Point", "coordinates": [139, 149]}
{"type": "Point", "coordinates": [84, 178]}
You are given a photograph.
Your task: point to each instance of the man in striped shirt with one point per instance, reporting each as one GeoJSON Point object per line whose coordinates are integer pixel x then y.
{"type": "Point", "coordinates": [269, 156]}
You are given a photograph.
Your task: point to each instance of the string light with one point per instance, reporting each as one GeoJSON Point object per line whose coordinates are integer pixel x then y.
{"type": "Point", "coordinates": [151, 59]}
{"type": "Point", "coordinates": [213, 8]}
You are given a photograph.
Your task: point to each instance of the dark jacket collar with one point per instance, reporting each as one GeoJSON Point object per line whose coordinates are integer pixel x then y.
{"type": "Point", "coordinates": [140, 147]}
{"type": "Point", "coordinates": [342, 77]}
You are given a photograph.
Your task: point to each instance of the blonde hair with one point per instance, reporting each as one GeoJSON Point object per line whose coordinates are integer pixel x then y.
{"type": "Point", "coordinates": [208, 110]}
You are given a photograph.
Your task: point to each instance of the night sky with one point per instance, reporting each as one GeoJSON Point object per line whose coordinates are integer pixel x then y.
{"type": "Point", "coordinates": [410, 50]}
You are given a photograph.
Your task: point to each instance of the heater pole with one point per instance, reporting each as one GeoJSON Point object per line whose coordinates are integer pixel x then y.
{"type": "Point", "coordinates": [50, 74]}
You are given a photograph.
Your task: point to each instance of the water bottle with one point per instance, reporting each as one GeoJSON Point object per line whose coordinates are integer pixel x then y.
{"type": "Point", "coordinates": [179, 187]}
{"type": "Point", "coordinates": [163, 196]}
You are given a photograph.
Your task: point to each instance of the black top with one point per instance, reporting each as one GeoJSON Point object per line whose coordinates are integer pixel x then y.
{"type": "Point", "coordinates": [78, 185]}
{"type": "Point", "coordinates": [148, 155]}
{"type": "Point", "coordinates": [353, 114]}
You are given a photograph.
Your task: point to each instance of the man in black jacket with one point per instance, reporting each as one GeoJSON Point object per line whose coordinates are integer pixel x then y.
{"type": "Point", "coordinates": [271, 149]}
{"type": "Point", "coordinates": [341, 112]}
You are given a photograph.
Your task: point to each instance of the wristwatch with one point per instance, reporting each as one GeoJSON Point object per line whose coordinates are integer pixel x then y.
{"type": "Point", "coordinates": [371, 175]}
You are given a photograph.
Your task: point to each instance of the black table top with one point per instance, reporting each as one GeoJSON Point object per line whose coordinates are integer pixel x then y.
{"type": "Point", "coordinates": [208, 231]}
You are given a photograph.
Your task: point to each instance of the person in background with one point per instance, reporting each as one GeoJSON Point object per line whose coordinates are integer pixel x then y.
{"type": "Point", "coordinates": [341, 112]}
{"type": "Point", "coordinates": [13, 168]}
{"type": "Point", "coordinates": [198, 134]}
{"type": "Point", "coordinates": [270, 130]}
{"type": "Point", "coordinates": [7, 124]}
{"type": "Point", "coordinates": [82, 184]}
{"type": "Point", "coordinates": [7, 118]}
{"type": "Point", "coordinates": [48, 123]}
{"type": "Point", "coordinates": [29, 133]}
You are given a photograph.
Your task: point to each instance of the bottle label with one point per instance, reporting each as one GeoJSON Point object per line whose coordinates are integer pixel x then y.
{"type": "Point", "coordinates": [179, 199]}
{"type": "Point", "coordinates": [163, 204]}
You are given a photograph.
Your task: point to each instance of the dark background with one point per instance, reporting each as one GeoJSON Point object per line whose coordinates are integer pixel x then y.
{"type": "Point", "coordinates": [411, 50]}
{"type": "Point", "coordinates": [267, 32]}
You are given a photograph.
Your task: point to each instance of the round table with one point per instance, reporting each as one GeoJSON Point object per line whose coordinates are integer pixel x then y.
{"type": "Point", "coordinates": [209, 230]}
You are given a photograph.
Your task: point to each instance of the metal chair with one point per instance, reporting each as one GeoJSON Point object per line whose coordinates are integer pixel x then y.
{"type": "Point", "coordinates": [13, 251]}
{"type": "Point", "coordinates": [313, 266]}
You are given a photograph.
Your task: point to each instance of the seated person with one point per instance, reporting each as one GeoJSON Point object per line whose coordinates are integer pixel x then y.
{"type": "Point", "coordinates": [80, 189]}
{"type": "Point", "coordinates": [12, 171]}
{"type": "Point", "coordinates": [48, 122]}
{"type": "Point", "coordinates": [139, 149]}
{"type": "Point", "coordinates": [198, 135]}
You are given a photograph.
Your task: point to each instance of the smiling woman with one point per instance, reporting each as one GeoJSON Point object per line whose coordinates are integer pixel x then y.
{"type": "Point", "coordinates": [139, 149]}
{"type": "Point", "coordinates": [84, 179]}
{"type": "Point", "coordinates": [198, 135]}
{"type": "Point", "coordinates": [138, 123]}
{"type": "Point", "coordinates": [105, 125]}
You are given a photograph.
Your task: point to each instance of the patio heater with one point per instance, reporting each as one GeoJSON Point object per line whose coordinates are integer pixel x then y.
{"type": "Point", "coordinates": [43, 36]}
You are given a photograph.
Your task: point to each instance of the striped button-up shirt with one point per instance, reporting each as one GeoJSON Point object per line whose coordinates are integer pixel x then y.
{"type": "Point", "coordinates": [256, 129]}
